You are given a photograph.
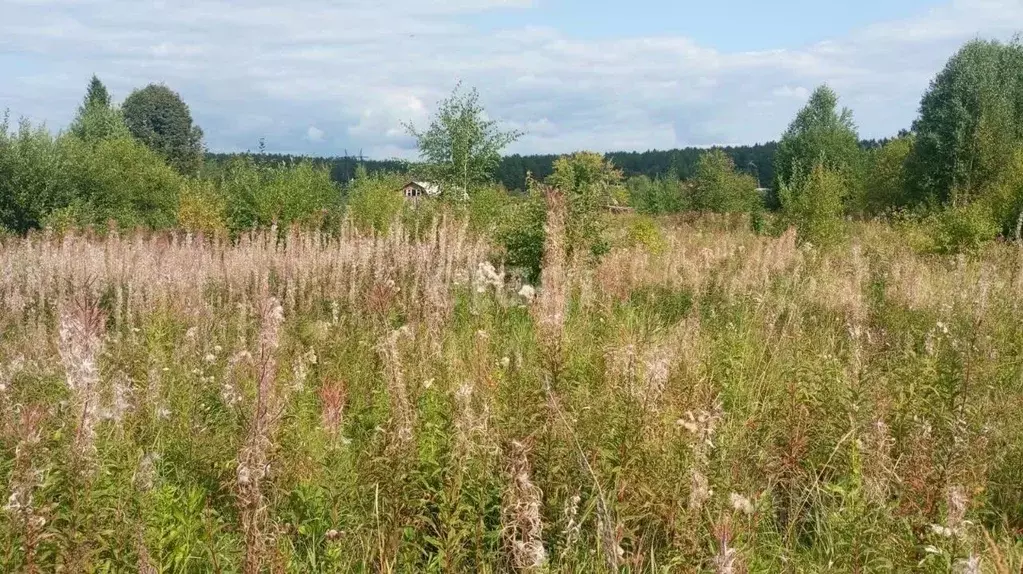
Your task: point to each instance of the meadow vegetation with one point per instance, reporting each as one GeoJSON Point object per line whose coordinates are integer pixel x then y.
{"type": "Point", "coordinates": [243, 367]}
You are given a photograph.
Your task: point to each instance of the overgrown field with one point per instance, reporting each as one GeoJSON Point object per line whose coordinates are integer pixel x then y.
{"type": "Point", "coordinates": [708, 400]}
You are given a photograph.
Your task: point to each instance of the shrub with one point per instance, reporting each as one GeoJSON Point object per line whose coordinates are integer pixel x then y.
{"type": "Point", "coordinates": [963, 229]}
{"type": "Point", "coordinates": [259, 195]}
{"type": "Point", "coordinates": [657, 196]}
{"type": "Point", "coordinates": [719, 188]}
{"type": "Point", "coordinates": [202, 209]}
{"type": "Point", "coordinates": [812, 202]}
{"type": "Point", "coordinates": [885, 182]}
{"type": "Point", "coordinates": [590, 184]}
{"type": "Point", "coordinates": [488, 207]}
{"type": "Point", "coordinates": [522, 234]}
{"type": "Point", "coordinates": [643, 231]}
{"type": "Point", "coordinates": [375, 201]}
{"type": "Point", "coordinates": [1004, 197]}
{"type": "Point", "coordinates": [33, 176]}
{"type": "Point", "coordinates": [122, 180]}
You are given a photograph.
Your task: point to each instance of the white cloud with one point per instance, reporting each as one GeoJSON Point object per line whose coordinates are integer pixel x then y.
{"type": "Point", "coordinates": [797, 92]}
{"type": "Point", "coordinates": [314, 134]}
{"type": "Point", "coordinates": [359, 70]}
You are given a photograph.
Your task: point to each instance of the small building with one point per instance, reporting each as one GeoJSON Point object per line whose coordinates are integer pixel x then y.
{"type": "Point", "coordinates": [417, 189]}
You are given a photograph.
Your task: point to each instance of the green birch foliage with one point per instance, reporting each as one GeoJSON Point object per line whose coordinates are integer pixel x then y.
{"type": "Point", "coordinates": [969, 125]}
{"type": "Point", "coordinates": [718, 187]}
{"type": "Point", "coordinates": [813, 203]}
{"type": "Point", "coordinates": [462, 146]}
{"type": "Point", "coordinates": [821, 133]}
{"type": "Point", "coordinates": [34, 175]}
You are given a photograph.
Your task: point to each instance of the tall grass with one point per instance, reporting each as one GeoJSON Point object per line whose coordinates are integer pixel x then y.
{"type": "Point", "coordinates": [394, 402]}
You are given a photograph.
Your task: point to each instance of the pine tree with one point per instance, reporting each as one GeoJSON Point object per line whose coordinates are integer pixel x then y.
{"type": "Point", "coordinates": [97, 119]}
{"type": "Point", "coordinates": [96, 94]}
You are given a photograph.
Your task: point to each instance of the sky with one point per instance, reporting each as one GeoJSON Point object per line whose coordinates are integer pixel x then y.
{"type": "Point", "coordinates": [328, 77]}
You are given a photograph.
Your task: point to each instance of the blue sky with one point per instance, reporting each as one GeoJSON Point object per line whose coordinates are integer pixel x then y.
{"type": "Point", "coordinates": [321, 77]}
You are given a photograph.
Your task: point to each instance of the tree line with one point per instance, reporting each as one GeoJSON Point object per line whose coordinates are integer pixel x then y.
{"type": "Point", "coordinates": [512, 169]}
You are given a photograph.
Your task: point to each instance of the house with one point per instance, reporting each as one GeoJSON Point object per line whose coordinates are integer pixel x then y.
{"type": "Point", "coordinates": [417, 189]}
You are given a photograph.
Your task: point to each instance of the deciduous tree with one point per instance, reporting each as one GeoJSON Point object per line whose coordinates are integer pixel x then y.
{"type": "Point", "coordinates": [159, 118]}
{"type": "Point", "coordinates": [462, 146]}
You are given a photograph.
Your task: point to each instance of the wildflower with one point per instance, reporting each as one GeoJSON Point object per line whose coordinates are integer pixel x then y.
{"type": "Point", "coordinates": [505, 361]}
{"type": "Point", "coordinates": [969, 565]}
{"type": "Point", "coordinates": [527, 292]}
{"type": "Point", "coordinates": [486, 276]}
{"type": "Point", "coordinates": [741, 504]}
{"type": "Point", "coordinates": [699, 491]}
{"type": "Point", "coordinates": [942, 531]}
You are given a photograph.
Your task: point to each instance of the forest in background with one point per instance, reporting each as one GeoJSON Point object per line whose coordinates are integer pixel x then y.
{"type": "Point", "coordinates": [756, 160]}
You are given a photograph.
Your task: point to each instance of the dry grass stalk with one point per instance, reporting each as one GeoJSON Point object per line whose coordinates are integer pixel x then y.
{"type": "Point", "coordinates": [403, 416]}
{"type": "Point", "coordinates": [551, 304]}
{"type": "Point", "coordinates": [878, 470]}
{"type": "Point", "coordinates": [80, 344]}
{"type": "Point", "coordinates": [25, 478]}
{"type": "Point", "coordinates": [333, 398]}
{"type": "Point", "coordinates": [523, 526]}
{"type": "Point", "coordinates": [254, 456]}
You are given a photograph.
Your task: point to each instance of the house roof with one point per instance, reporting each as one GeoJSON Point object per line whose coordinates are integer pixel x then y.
{"type": "Point", "coordinates": [430, 188]}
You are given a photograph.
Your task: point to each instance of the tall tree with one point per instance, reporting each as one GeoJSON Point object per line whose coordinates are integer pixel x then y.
{"type": "Point", "coordinates": [97, 119]}
{"type": "Point", "coordinates": [970, 123]}
{"type": "Point", "coordinates": [819, 134]}
{"type": "Point", "coordinates": [462, 147]}
{"type": "Point", "coordinates": [159, 118]}
{"type": "Point", "coordinates": [96, 94]}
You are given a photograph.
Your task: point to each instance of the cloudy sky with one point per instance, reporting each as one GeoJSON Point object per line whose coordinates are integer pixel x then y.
{"type": "Point", "coordinates": [320, 77]}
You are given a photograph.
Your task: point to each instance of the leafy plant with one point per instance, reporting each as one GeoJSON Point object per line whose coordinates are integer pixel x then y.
{"type": "Point", "coordinates": [461, 147]}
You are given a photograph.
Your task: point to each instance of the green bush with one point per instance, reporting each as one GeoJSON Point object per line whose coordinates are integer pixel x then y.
{"type": "Point", "coordinates": [885, 181]}
{"type": "Point", "coordinates": [487, 209]}
{"type": "Point", "coordinates": [375, 201]}
{"type": "Point", "coordinates": [657, 196]}
{"type": "Point", "coordinates": [122, 180]}
{"type": "Point", "coordinates": [719, 188]}
{"type": "Point", "coordinates": [522, 234]}
{"type": "Point", "coordinates": [259, 195]}
{"type": "Point", "coordinates": [963, 229]}
{"type": "Point", "coordinates": [813, 203]}
{"type": "Point", "coordinates": [202, 209]}
{"type": "Point", "coordinates": [1005, 196]}
{"type": "Point", "coordinates": [34, 176]}
{"type": "Point", "coordinates": [643, 231]}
